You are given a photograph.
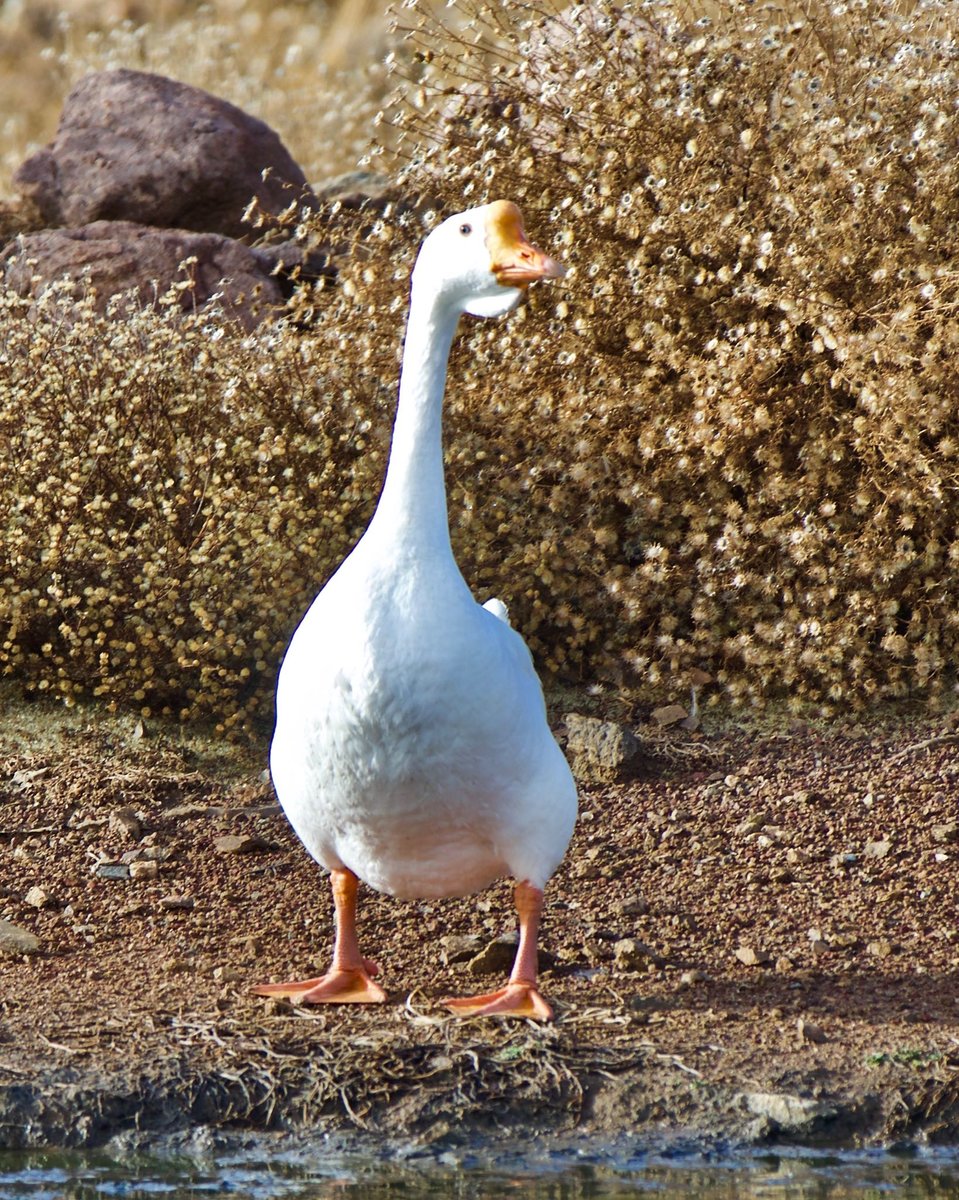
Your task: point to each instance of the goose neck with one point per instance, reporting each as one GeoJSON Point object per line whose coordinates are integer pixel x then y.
{"type": "Point", "coordinates": [413, 501]}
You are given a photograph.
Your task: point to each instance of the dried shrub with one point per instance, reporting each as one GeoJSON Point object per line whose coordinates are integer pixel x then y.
{"type": "Point", "coordinates": [174, 495]}
{"type": "Point", "coordinates": [738, 444]}
{"type": "Point", "coordinates": [729, 441]}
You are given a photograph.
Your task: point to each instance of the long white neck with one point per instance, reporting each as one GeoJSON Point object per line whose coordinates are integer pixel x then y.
{"type": "Point", "coordinates": [412, 506]}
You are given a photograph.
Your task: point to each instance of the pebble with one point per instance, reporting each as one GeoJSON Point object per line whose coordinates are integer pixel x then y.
{"type": "Point", "coordinates": [144, 869]}
{"type": "Point", "coordinates": [496, 958]}
{"type": "Point", "coordinates": [877, 849]}
{"type": "Point", "coordinates": [239, 843]}
{"type": "Point", "coordinates": [630, 954]}
{"type": "Point", "coordinates": [880, 948]}
{"type": "Point", "coordinates": [810, 1032]}
{"type": "Point", "coordinates": [38, 897]}
{"type": "Point", "coordinates": [14, 940]}
{"type": "Point", "coordinates": [668, 714]}
{"type": "Point", "coordinates": [750, 957]}
{"type": "Point", "coordinates": [125, 820]}
{"type": "Point", "coordinates": [949, 832]}
{"type": "Point", "coordinates": [177, 903]}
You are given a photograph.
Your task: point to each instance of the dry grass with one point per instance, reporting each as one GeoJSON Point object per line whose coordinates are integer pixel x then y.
{"type": "Point", "coordinates": [729, 441]}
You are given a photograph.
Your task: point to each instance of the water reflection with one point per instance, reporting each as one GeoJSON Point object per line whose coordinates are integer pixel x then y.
{"type": "Point", "coordinates": [86, 1177]}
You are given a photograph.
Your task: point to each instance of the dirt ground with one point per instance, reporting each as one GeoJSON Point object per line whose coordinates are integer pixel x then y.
{"type": "Point", "coordinates": [758, 939]}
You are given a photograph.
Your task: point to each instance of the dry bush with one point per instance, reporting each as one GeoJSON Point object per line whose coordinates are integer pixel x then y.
{"type": "Point", "coordinates": [732, 441]}
{"type": "Point", "coordinates": [728, 441]}
{"type": "Point", "coordinates": [174, 497]}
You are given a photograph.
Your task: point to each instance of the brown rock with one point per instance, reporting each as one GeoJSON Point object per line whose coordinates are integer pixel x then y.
{"type": "Point", "coordinates": [750, 957]}
{"type": "Point", "coordinates": [117, 258]}
{"type": "Point", "coordinates": [125, 820]}
{"type": "Point", "coordinates": [144, 869]}
{"type": "Point", "coordinates": [668, 714]}
{"type": "Point", "coordinates": [601, 751]}
{"type": "Point", "coordinates": [38, 897]}
{"type": "Point", "coordinates": [14, 940]}
{"type": "Point", "coordinates": [877, 849]}
{"type": "Point", "coordinates": [949, 832]}
{"type": "Point", "coordinates": [239, 843]}
{"type": "Point", "coordinates": [458, 948]}
{"type": "Point", "coordinates": [496, 958]}
{"type": "Point", "coordinates": [133, 146]}
{"type": "Point", "coordinates": [630, 954]}
{"type": "Point", "coordinates": [810, 1032]}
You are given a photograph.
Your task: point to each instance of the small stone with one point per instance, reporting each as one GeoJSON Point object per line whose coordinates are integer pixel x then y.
{"type": "Point", "coordinates": [630, 954]}
{"type": "Point", "coordinates": [787, 1112]}
{"type": "Point", "coordinates": [804, 797]}
{"type": "Point", "coordinates": [177, 903]}
{"type": "Point", "coordinates": [810, 1032]}
{"type": "Point", "coordinates": [125, 820]}
{"type": "Point", "coordinates": [110, 870]}
{"type": "Point", "coordinates": [781, 875]}
{"type": "Point", "coordinates": [750, 957]}
{"type": "Point", "coordinates": [602, 751]}
{"type": "Point", "coordinates": [14, 940]}
{"type": "Point", "coordinates": [38, 897]}
{"type": "Point", "coordinates": [949, 832]}
{"type": "Point", "coordinates": [458, 948]}
{"type": "Point", "coordinates": [496, 958]}
{"type": "Point", "coordinates": [228, 974]}
{"type": "Point", "coordinates": [668, 714]}
{"type": "Point", "coordinates": [795, 857]}
{"type": "Point", "coordinates": [691, 978]}
{"type": "Point", "coordinates": [241, 843]}
{"type": "Point", "coordinates": [783, 965]}
{"type": "Point", "coordinates": [880, 948]}
{"type": "Point", "coordinates": [144, 869]}
{"type": "Point", "coordinates": [753, 823]}
{"type": "Point", "coordinates": [877, 849]}
{"type": "Point", "coordinates": [633, 906]}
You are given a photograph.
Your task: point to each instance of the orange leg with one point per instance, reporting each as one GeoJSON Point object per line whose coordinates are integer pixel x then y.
{"type": "Point", "coordinates": [349, 979]}
{"type": "Point", "coordinates": [520, 997]}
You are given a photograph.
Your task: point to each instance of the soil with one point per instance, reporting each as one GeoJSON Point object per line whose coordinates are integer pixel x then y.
{"type": "Point", "coordinates": [757, 939]}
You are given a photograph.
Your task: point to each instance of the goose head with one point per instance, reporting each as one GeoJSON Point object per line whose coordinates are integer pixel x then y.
{"type": "Point", "coordinates": [480, 261]}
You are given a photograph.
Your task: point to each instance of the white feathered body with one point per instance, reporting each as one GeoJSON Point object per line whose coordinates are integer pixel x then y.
{"type": "Point", "coordinates": [411, 744]}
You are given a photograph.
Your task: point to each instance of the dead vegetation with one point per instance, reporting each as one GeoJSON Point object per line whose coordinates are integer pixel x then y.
{"type": "Point", "coordinates": [729, 443]}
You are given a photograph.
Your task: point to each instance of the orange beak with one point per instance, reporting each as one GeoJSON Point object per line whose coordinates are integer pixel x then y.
{"type": "Point", "coordinates": [515, 261]}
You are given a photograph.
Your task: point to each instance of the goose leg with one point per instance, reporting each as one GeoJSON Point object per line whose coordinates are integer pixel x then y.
{"type": "Point", "coordinates": [349, 979]}
{"type": "Point", "coordinates": [520, 997]}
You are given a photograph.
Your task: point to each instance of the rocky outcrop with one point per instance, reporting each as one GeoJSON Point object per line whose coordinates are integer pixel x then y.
{"type": "Point", "coordinates": [132, 146]}
{"type": "Point", "coordinates": [113, 258]}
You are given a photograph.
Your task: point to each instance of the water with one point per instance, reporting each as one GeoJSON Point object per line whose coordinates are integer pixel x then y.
{"type": "Point", "coordinates": [800, 1176]}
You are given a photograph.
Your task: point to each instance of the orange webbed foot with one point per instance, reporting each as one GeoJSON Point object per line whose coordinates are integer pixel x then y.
{"type": "Point", "coordinates": [514, 1000]}
{"type": "Point", "coordinates": [338, 986]}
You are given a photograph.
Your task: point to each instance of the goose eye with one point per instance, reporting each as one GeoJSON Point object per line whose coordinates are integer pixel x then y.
{"type": "Point", "coordinates": [466, 230]}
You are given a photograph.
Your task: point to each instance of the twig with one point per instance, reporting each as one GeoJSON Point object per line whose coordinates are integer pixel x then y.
{"type": "Point", "coordinates": [942, 739]}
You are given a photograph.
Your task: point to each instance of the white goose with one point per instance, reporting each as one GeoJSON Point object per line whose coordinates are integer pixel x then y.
{"type": "Point", "coordinates": [411, 747]}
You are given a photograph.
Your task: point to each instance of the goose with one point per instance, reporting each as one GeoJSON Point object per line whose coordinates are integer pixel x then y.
{"type": "Point", "coordinates": [411, 749]}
